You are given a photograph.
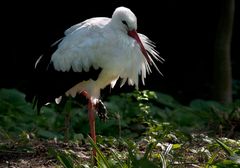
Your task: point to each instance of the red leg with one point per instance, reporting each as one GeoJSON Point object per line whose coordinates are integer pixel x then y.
{"type": "Point", "coordinates": [91, 116]}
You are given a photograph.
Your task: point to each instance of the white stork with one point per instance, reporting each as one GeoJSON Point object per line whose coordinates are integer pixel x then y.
{"type": "Point", "coordinates": [93, 54]}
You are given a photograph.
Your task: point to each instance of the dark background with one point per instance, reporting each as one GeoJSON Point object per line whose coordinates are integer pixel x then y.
{"type": "Point", "coordinates": [184, 33]}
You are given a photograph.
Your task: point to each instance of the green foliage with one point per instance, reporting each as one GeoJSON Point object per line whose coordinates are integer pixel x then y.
{"type": "Point", "coordinates": [233, 155]}
{"type": "Point", "coordinates": [145, 128]}
{"type": "Point", "coordinates": [15, 114]}
{"type": "Point", "coordinates": [236, 89]}
{"type": "Point", "coordinates": [133, 158]}
{"type": "Point", "coordinates": [63, 157]}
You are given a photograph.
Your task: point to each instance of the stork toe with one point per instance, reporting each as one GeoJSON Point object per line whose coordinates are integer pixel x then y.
{"type": "Point", "coordinates": [101, 110]}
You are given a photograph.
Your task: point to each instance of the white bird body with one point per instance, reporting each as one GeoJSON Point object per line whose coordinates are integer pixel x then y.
{"type": "Point", "coordinates": [93, 54]}
{"type": "Point", "coordinates": [101, 43]}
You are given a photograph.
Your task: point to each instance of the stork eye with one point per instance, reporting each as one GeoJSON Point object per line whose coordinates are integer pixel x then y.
{"type": "Point", "coordinates": [124, 22]}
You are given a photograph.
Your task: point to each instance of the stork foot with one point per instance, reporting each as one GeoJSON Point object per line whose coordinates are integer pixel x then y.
{"type": "Point", "coordinates": [101, 110]}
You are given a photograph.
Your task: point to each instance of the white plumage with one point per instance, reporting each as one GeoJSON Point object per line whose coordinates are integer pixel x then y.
{"type": "Point", "coordinates": [106, 43]}
{"type": "Point", "coordinates": [92, 55]}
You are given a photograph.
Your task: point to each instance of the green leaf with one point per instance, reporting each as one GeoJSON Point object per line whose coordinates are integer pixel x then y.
{"type": "Point", "coordinates": [210, 161]}
{"type": "Point", "coordinates": [149, 150]}
{"type": "Point", "coordinates": [144, 163]}
{"type": "Point", "coordinates": [118, 160]}
{"type": "Point", "coordinates": [99, 152]}
{"type": "Point", "coordinates": [64, 158]}
{"type": "Point", "coordinates": [227, 164]}
{"type": "Point", "coordinates": [227, 149]}
{"type": "Point", "coordinates": [176, 146]}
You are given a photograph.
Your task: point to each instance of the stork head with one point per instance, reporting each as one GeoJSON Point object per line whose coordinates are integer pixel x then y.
{"type": "Point", "coordinates": [125, 20]}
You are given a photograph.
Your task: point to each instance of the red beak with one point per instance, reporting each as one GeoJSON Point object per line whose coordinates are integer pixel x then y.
{"type": "Point", "coordinates": [133, 34]}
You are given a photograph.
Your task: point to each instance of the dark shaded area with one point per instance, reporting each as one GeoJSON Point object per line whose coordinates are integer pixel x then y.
{"type": "Point", "coordinates": [184, 32]}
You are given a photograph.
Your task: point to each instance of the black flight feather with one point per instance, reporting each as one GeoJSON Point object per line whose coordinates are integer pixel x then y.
{"type": "Point", "coordinates": [48, 84]}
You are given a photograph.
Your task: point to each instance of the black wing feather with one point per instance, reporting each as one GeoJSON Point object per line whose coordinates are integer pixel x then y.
{"type": "Point", "coordinates": [48, 84]}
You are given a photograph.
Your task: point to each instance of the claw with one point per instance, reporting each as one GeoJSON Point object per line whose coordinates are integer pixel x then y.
{"type": "Point", "coordinates": [101, 110]}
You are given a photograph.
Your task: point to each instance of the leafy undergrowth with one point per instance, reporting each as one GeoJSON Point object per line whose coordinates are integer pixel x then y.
{"type": "Point", "coordinates": [144, 129]}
